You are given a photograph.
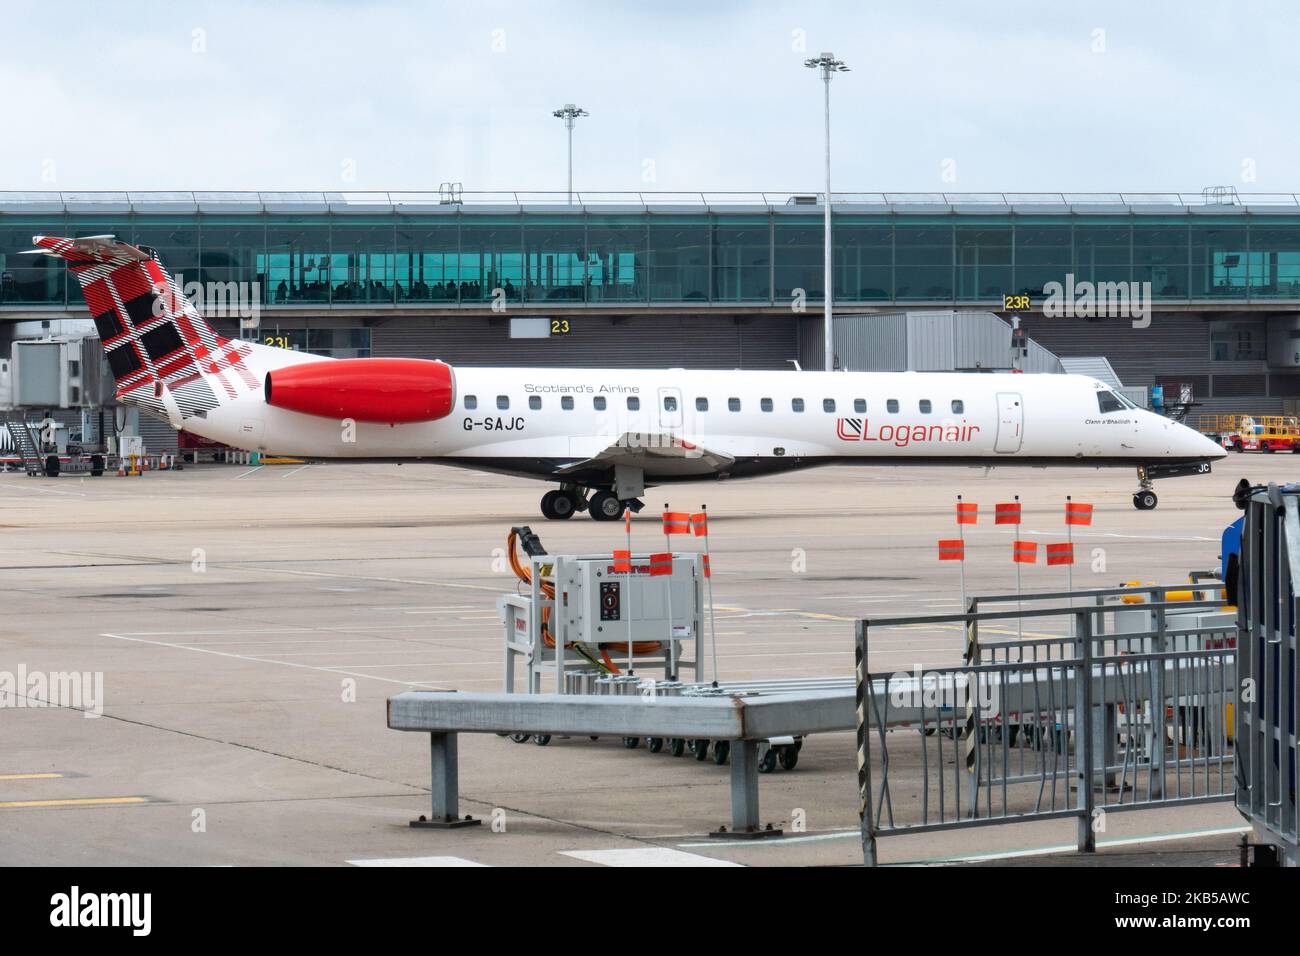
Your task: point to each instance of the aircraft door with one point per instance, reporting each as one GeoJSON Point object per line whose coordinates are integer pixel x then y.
{"type": "Point", "coordinates": [670, 408]}
{"type": "Point", "coordinates": [1011, 422]}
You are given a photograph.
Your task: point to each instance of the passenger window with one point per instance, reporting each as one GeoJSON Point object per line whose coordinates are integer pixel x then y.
{"type": "Point", "coordinates": [796, 404]}
{"type": "Point", "coordinates": [925, 406]}
{"type": "Point", "coordinates": [765, 404]}
{"type": "Point", "coordinates": [670, 403]}
{"type": "Point", "coordinates": [860, 405]}
{"type": "Point", "coordinates": [503, 401]}
{"type": "Point", "coordinates": [534, 402]}
{"type": "Point", "coordinates": [733, 404]}
{"type": "Point", "coordinates": [1109, 402]}
{"type": "Point", "coordinates": [701, 404]}
{"type": "Point", "coordinates": [471, 402]}
{"type": "Point", "coordinates": [958, 406]}
{"type": "Point", "coordinates": [828, 404]}
{"type": "Point", "coordinates": [633, 403]}
{"type": "Point", "coordinates": [891, 406]}
{"type": "Point", "coordinates": [598, 403]}
{"type": "Point", "coordinates": [566, 402]}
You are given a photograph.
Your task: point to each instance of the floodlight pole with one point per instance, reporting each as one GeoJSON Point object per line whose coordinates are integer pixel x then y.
{"type": "Point", "coordinates": [569, 113]}
{"type": "Point", "coordinates": [828, 65]}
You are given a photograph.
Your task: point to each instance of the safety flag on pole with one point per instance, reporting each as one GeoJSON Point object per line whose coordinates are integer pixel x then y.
{"type": "Point", "coordinates": [627, 555]}
{"type": "Point", "coordinates": [1076, 512]}
{"type": "Point", "coordinates": [1024, 552]}
{"type": "Point", "coordinates": [708, 573]}
{"type": "Point", "coordinates": [661, 563]}
{"type": "Point", "coordinates": [952, 549]}
{"type": "Point", "coordinates": [968, 512]}
{"type": "Point", "coordinates": [1062, 553]}
{"type": "Point", "coordinates": [1006, 512]}
{"type": "Point", "coordinates": [622, 562]}
{"type": "Point", "coordinates": [677, 522]}
{"type": "Point", "coordinates": [700, 524]}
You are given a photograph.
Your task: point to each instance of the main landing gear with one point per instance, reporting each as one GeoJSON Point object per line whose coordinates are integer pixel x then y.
{"type": "Point", "coordinates": [562, 503]}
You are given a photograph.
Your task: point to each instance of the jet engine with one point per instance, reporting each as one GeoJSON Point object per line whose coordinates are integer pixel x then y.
{"type": "Point", "coordinates": [393, 390]}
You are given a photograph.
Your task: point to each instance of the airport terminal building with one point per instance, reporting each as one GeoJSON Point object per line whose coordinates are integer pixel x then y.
{"type": "Point", "coordinates": [730, 280]}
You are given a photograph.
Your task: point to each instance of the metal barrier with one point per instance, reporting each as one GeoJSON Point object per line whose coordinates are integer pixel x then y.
{"type": "Point", "coordinates": [1048, 727]}
{"type": "Point", "coordinates": [1267, 720]}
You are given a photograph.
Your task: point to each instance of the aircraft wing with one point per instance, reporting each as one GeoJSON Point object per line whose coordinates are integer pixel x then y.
{"type": "Point", "coordinates": [654, 454]}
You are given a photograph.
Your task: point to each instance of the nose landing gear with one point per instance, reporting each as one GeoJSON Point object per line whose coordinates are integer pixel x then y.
{"type": "Point", "coordinates": [1144, 499]}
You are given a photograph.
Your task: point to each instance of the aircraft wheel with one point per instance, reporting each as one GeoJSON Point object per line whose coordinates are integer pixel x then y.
{"type": "Point", "coordinates": [1145, 500]}
{"type": "Point", "coordinates": [605, 507]}
{"type": "Point", "coordinates": [558, 505]}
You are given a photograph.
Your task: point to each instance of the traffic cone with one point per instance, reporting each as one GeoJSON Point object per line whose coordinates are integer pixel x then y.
{"type": "Point", "coordinates": [121, 468]}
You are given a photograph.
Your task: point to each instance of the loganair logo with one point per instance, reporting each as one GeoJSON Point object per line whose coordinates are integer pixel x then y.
{"type": "Point", "coordinates": [859, 429]}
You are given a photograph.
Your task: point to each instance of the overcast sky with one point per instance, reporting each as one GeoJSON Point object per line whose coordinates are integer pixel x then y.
{"type": "Point", "coordinates": [952, 95]}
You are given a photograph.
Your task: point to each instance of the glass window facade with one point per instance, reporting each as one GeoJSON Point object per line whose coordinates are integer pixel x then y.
{"type": "Point", "coordinates": [463, 257]}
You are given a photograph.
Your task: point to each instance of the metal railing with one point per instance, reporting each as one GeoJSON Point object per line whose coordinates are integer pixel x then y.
{"type": "Point", "coordinates": [272, 201]}
{"type": "Point", "coordinates": [1268, 720]}
{"type": "Point", "coordinates": [1048, 727]}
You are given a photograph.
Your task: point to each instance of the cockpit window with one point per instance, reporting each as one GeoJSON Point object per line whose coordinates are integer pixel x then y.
{"type": "Point", "coordinates": [1110, 402]}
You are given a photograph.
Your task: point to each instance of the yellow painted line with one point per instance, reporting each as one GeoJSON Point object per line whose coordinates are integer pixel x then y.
{"type": "Point", "coordinates": [31, 776]}
{"type": "Point", "coordinates": [82, 802]}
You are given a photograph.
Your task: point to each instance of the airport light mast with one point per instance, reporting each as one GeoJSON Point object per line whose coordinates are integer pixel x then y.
{"type": "Point", "coordinates": [829, 66]}
{"type": "Point", "coordinates": [569, 113]}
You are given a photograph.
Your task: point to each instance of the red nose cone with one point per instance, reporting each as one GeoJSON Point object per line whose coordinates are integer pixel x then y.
{"type": "Point", "coordinates": [365, 389]}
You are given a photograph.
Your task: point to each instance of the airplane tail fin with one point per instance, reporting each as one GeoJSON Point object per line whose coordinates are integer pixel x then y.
{"type": "Point", "coordinates": [156, 342]}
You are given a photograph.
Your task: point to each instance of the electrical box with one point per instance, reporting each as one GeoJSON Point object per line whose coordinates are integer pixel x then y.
{"type": "Point", "coordinates": [598, 604]}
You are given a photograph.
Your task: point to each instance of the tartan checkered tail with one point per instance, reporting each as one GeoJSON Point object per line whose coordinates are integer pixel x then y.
{"type": "Point", "coordinates": [157, 344]}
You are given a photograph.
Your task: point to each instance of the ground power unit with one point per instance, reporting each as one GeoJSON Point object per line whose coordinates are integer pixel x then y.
{"type": "Point", "coordinates": [579, 613]}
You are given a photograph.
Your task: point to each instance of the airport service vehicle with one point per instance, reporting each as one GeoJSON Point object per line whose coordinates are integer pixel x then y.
{"type": "Point", "coordinates": [602, 436]}
{"type": "Point", "coordinates": [1263, 433]}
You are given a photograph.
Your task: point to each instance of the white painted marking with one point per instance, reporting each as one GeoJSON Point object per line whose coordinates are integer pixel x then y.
{"type": "Point", "coordinates": [1070, 847]}
{"type": "Point", "coordinates": [295, 471]}
{"type": "Point", "coordinates": [261, 660]}
{"type": "Point", "coordinates": [854, 833]}
{"type": "Point", "coordinates": [251, 471]}
{"type": "Point", "coordinates": [417, 861]}
{"type": "Point", "coordinates": [645, 856]}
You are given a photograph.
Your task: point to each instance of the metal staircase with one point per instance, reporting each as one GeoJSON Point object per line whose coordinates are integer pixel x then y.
{"type": "Point", "coordinates": [23, 439]}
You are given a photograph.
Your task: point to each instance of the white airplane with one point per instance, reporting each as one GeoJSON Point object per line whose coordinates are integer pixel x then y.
{"type": "Point", "coordinates": [602, 436]}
